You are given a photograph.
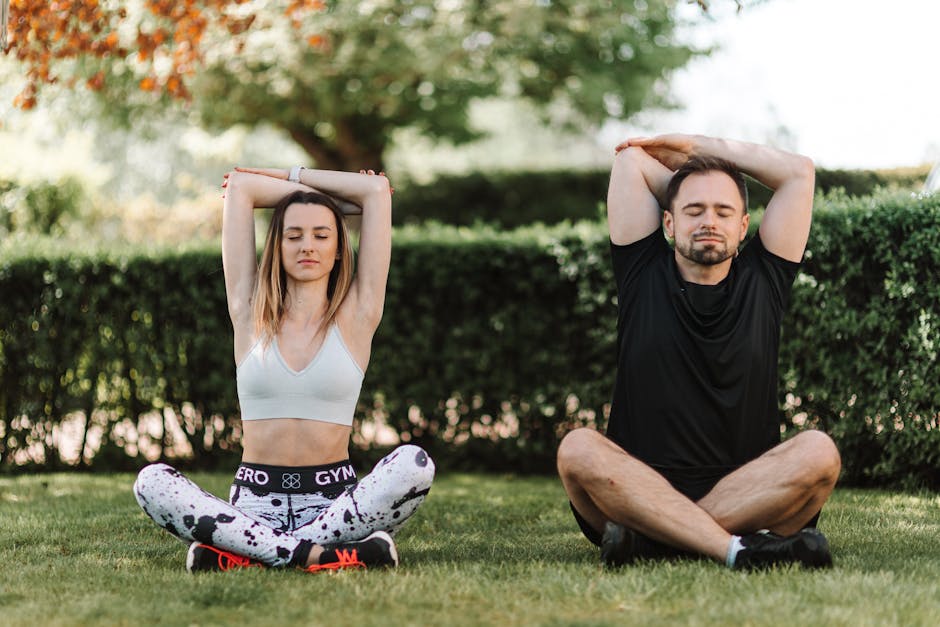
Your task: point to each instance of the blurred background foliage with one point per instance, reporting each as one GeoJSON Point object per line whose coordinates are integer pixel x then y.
{"type": "Point", "coordinates": [505, 200]}
{"type": "Point", "coordinates": [340, 78]}
{"type": "Point", "coordinates": [118, 119]}
{"type": "Point", "coordinates": [148, 102]}
{"type": "Point", "coordinates": [493, 345]}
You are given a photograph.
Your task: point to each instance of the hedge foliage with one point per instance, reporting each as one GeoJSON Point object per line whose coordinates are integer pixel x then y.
{"type": "Point", "coordinates": [512, 199]}
{"type": "Point", "coordinates": [859, 353]}
{"type": "Point", "coordinates": [493, 345]}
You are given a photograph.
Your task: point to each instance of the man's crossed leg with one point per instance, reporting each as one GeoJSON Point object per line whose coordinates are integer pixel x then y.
{"type": "Point", "coordinates": [780, 491]}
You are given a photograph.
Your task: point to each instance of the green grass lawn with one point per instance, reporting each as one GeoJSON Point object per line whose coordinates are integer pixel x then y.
{"type": "Point", "coordinates": [483, 550]}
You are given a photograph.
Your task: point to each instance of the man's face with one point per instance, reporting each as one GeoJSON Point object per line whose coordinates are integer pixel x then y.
{"type": "Point", "coordinates": [707, 220]}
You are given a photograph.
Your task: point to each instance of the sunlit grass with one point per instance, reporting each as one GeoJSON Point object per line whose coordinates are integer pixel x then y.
{"type": "Point", "coordinates": [483, 550]}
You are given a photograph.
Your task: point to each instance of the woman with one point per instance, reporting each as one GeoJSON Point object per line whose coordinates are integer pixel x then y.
{"type": "Point", "coordinates": [303, 333]}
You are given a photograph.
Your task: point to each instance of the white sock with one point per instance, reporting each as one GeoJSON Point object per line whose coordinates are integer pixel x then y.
{"type": "Point", "coordinates": [733, 547]}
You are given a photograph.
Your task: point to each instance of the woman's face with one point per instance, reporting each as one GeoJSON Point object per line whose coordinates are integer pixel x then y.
{"type": "Point", "coordinates": [309, 242]}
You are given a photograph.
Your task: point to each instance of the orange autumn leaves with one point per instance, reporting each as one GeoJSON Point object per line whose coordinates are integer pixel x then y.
{"type": "Point", "coordinates": [55, 40]}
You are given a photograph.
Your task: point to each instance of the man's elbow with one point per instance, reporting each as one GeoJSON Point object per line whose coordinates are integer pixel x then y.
{"type": "Point", "coordinates": [628, 168]}
{"type": "Point", "coordinates": [632, 154]}
{"type": "Point", "coordinates": [804, 168]}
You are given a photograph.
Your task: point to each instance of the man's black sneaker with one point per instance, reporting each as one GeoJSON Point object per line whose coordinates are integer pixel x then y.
{"type": "Point", "coordinates": [808, 547]}
{"type": "Point", "coordinates": [375, 551]}
{"type": "Point", "coordinates": [618, 545]}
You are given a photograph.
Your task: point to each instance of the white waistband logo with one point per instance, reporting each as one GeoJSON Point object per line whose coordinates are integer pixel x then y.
{"type": "Point", "coordinates": [290, 480]}
{"type": "Point", "coordinates": [251, 475]}
{"type": "Point", "coordinates": [326, 477]}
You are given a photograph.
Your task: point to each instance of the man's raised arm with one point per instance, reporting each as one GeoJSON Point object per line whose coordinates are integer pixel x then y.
{"type": "Point", "coordinates": [637, 182]}
{"type": "Point", "coordinates": [784, 228]}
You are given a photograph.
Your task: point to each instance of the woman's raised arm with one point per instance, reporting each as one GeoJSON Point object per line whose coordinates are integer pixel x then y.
{"type": "Point", "coordinates": [244, 192]}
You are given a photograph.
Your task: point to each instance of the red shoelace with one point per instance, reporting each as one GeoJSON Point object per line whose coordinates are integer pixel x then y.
{"type": "Point", "coordinates": [228, 561]}
{"type": "Point", "coordinates": [346, 558]}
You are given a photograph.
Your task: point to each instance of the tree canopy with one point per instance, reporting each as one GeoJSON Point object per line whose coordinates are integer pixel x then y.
{"type": "Point", "coordinates": [341, 77]}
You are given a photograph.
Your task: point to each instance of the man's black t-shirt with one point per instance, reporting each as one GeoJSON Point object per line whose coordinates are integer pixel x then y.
{"type": "Point", "coordinates": [696, 389]}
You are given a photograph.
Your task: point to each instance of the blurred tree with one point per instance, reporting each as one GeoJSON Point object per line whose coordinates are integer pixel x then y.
{"type": "Point", "coordinates": [41, 207]}
{"type": "Point", "coordinates": [341, 77]}
{"type": "Point", "coordinates": [156, 44]}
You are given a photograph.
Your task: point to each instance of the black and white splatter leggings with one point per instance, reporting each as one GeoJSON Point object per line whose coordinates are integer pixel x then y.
{"type": "Point", "coordinates": [278, 514]}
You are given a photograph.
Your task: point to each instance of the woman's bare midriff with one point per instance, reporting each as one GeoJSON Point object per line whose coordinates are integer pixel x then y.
{"type": "Point", "coordinates": [294, 442]}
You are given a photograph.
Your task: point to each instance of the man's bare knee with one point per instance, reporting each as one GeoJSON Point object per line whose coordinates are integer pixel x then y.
{"type": "Point", "coordinates": [576, 451]}
{"type": "Point", "coordinates": [822, 460]}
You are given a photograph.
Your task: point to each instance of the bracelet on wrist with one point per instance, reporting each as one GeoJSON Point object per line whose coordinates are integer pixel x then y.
{"type": "Point", "coordinates": [294, 176]}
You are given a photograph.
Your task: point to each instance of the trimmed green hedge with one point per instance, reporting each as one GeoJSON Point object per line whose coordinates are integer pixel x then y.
{"type": "Point", "coordinates": [493, 345]}
{"type": "Point", "coordinates": [859, 356]}
{"type": "Point", "coordinates": [512, 199]}
{"type": "Point", "coordinates": [507, 199]}
{"type": "Point", "coordinates": [114, 339]}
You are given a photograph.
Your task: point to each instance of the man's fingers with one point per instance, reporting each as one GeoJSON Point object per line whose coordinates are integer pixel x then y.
{"type": "Point", "coordinates": [634, 141]}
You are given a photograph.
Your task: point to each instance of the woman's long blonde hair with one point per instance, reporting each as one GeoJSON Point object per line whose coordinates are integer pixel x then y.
{"type": "Point", "coordinates": [270, 293]}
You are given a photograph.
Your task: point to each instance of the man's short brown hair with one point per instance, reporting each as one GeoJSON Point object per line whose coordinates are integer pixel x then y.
{"type": "Point", "coordinates": [701, 165]}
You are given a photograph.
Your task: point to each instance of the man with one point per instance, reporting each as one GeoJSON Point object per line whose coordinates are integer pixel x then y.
{"type": "Point", "coordinates": [692, 462]}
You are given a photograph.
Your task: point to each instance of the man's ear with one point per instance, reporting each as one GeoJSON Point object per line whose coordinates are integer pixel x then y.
{"type": "Point", "coordinates": [669, 224]}
{"type": "Point", "coordinates": [745, 222]}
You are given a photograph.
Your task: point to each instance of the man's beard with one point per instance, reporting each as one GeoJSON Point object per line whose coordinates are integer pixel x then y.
{"type": "Point", "coordinates": [708, 256]}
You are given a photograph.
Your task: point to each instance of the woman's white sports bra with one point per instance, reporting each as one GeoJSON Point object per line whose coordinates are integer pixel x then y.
{"type": "Point", "coordinates": [326, 390]}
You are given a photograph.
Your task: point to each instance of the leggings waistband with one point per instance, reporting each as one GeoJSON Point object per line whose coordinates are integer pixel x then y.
{"type": "Point", "coordinates": [295, 479]}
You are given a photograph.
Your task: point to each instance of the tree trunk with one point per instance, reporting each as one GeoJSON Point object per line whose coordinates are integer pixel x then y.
{"type": "Point", "coordinates": [348, 153]}
{"type": "Point", "coordinates": [89, 410]}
